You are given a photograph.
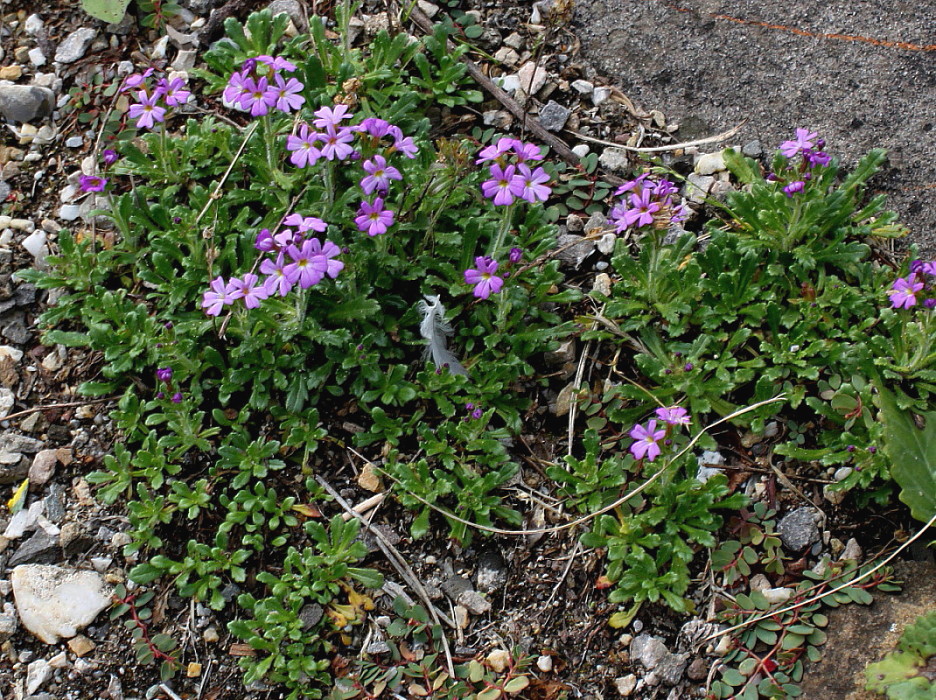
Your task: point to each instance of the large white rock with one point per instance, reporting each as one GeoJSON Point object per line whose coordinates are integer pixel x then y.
{"type": "Point", "coordinates": [54, 602]}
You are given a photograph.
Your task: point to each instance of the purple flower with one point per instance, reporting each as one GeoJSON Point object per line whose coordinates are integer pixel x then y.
{"type": "Point", "coordinates": [303, 147]}
{"type": "Point", "coordinates": [688, 367]}
{"type": "Point", "coordinates": [136, 80]}
{"type": "Point", "coordinates": [929, 303]}
{"type": "Point", "coordinates": [673, 415]}
{"type": "Point", "coordinates": [494, 151]}
{"type": "Point", "coordinates": [631, 185]}
{"type": "Point", "coordinates": [277, 281]}
{"type": "Point", "coordinates": [331, 117]}
{"type": "Point", "coordinates": [373, 218]}
{"type": "Point", "coordinates": [174, 92]}
{"type": "Point", "coordinates": [164, 374]}
{"type": "Point", "coordinates": [375, 126]}
{"type": "Point", "coordinates": [814, 158]}
{"type": "Point", "coordinates": [645, 441]}
{"type": "Point", "coordinates": [515, 255]}
{"type": "Point", "coordinates": [307, 266]}
{"type": "Point", "coordinates": [794, 187]}
{"type": "Point", "coordinates": [664, 188]}
{"type": "Point", "coordinates": [221, 295]}
{"type": "Point", "coordinates": [276, 63]}
{"type": "Point", "coordinates": [147, 112]}
{"type": "Point", "coordinates": [326, 252]}
{"type": "Point", "coordinates": [477, 413]}
{"type": "Point", "coordinates": [109, 156]}
{"type": "Point", "coordinates": [530, 185]}
{"type": "Point", "coordinates": [483, 278]}
{"type": "Point", "coordinates": [406, 146]}
{"type": "Point", "coordinates": [804, 139]}
{"type": "Point", "coordinates": [285, 94]}
{"type": "Point", "coordinates": [250, 290]}
{"type": "Point", "coordinates": [177, 397]}
{"type": "Point", "coordinates": [379, 175]}
{"type": "Point", "coordinates": [337, 142]}
{"type": "Point", "coordinates": [257, 99]}
{"type": "Point", "coordinates": [642, 209]}
{"type": "Point", "coordinates": [929, 268]}
{"type": "Point", "coordinates": [500, 186]}
{"type": "Point", "coordinates": [526, 151]}
{"type": "Point", "coordinates": [903, 291]}
{"type": "Point", "coordinates": [306, 223]}
{"type": "Point", "coordinates": [264, 241]}
{"type": "Point", "coordinates": [92, 183]}
{"type": "Point", "coordinates": [236, 90]}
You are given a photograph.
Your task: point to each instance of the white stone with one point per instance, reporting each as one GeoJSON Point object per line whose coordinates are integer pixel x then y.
{"type": "Point", "coordinates": [75, 45]}
{"type": "Point", "coordinates": [13, 353]}
{"type": "Point", "coordinates": [36, 57]}
{"type": "Point", "coordinates": [606, 243]}
{"type": "Point", "coordinates": [777, 595]}
{"type": "Point", "coordinates": [508, 83]}
{"type": "Point", "coordinates": [710, 163]}
{"type": "Point", "coordinates": [581, 150]}
{"type": "Point", "coordinates": [614, 159]}
{"type": "Point", "coordinates": [532, 77]}
{"type": "Point", "coordinates": [602, 284]}
{"type": "Point", "coordinates": [842, 473]}
{"type": "Point", "coordinates": [24, 520]}
{"type": "Point", "coordinates": [35, 243]}
{"type": "Point", "coordinates": [625, 685]}
{"type": "Point", "coordinates": [60, 660]}
{"type": "Point", "coordinates": [583, 87]}
{"type": "Point", "coordinates": [601, 94]}
{"type": "Point", "coordinates": [7, 399]}
{"type": "Point", "coordinates": [54, 602]}
{"type": "Point", "coordinates": [74, 142]}
{"type": "Point", "coordinates": [37, 675]}
{"type": "Point", "coordinates": [544, 663]}
{"type": "Point", "coordinates": [33, 25]}
{"type": "Point", "coordinates": [22, 225]}
{"type": "Point", "coordinates": [159, 48]}
{"type": "Point", "coordinates": [69, 212]}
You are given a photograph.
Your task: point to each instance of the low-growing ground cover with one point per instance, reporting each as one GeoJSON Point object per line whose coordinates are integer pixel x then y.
{"type": "Point", "coordinates": [313, 276]}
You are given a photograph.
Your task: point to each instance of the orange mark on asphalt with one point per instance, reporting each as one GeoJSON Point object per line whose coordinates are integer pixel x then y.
{"type": "Point", "coordinates": [802, 32]}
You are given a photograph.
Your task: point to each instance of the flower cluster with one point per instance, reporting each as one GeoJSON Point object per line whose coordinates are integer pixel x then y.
{"type": "Point", "coordinates": [153, 104]}
{"type": "Point", "coordinates": [260, 87]}
{"type": "Point", "coordinates": [511, 175]}
{"type": "Point", "coordinates": [647, 439]}
{"type": "Point", "coordinates": [921, 281]}
{"type": "Point", "coordinates": [164, 374]}
{"type": "Point", "coordinates": [646, 203]}
{"type": "Point", "coordinates": [808, 146]}
{"type": "Point", "coordinates": [295, 258]}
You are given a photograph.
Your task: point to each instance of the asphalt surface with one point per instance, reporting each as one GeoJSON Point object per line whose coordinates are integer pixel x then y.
{"type": "Point", "coordinates": [709, 73]}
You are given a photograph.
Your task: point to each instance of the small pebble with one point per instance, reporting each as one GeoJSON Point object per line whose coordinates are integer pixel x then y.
{"type": "Point", "coordinates": [74, 142]}
{"type": "Point", "coordinates": [544, 663]}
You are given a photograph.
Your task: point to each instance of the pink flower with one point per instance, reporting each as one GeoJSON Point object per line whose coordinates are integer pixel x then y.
{"type": "Point", "coordinates": [305, 223]}
{"type": "Point", "coordinates": [136, 80]}
{"type": "Point", "coordinates": [804, 139]}
{"type": "Point", "coordinates": [326, 252]}
{"type": "Point", "coordinates": [337, 142]}
{"type": "Point", "coordinates": [147, 112]}
{"type": "Point", "coordinates": [276, 63]}
{"type": "Point", "coordinates": [250, 290]}
{"type": "Point", "coordinates": [494, 151]}
{"type": "Point", "coordinates": [175, 92]}
{"type": "Point", "coordinates": [904, 289]}
{"type": "Point", "coordinates": [221, 295]}
{"type": "Point", "coordinates": [236, 89]}
{"type": "Point", "coordinates": [277, 280]}
{"type": "Point", "coordinates": [673, 415]}
{"type": "Point", "coordinates": [483, 278]}
{"type": "Point", "coordinates": [257, 99]}
{"type": "Point", "coordinates": [642, 211]}
{"type": "Point", "coordinates": [331, 117]}
{"type": "Point", "coordinates": [646, 440]}
{"type": "Point", "coordinates": [92, 183]}
{"type": "Point", "coordinates": [303, 147]}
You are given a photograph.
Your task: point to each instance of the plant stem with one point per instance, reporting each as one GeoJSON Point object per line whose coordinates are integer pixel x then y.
{"type": "Point", "coordinates": [502, 230]}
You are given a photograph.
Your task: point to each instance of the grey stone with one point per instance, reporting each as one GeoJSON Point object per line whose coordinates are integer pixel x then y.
{"type": "Point", "coordinates": [38, 674]}
{"type": "Point", "coordinates": [561, 355]}
{"type": "Point", "coordinates": [55, 504]}
{"type": "Point", "coordinates": [310, 615]}
{"type": "Point", "coordinates": [33, 25]}
{"type": "Point", "coordinates": [8, 624]}
{"type": "Point", "coordinates": [25, 103]}
{"type": "Point", "coordinates": [13, 442]}
{"type": "Point", "coordinates": [710, 163]}
{"type": "Point", "coordinates": [583, 87]}
{"type": "Point", "coordinates": [25, 294]}
{"type": "Point", "coordinates": [698, 187]}
{"type": "Point", "coordinates": [16, 331]}
{"type": "Point", "coordinates": [75, 539]}
{"type": "Point", "coordinates": [615, 160]}
{"type": "Point", "coordinates": [455, 586]}
{"type": "Point", "coordinates": [578, 249]}
{"type": "Point", "coordinates": [37, 57]}
{"type": "Point", "coordinates": [532, 77]}
{"type": "Point", "coordinates": [7, 399]}
{"type": "Point", "coordinates": [54, 602]}
{"type": "Point", "coordinates": [75, 45]}
{"type": "Point", "coordinates": [648, 650]}
{"type": "Point", "coordinates": [474, 602]}
{"type": "Point", "coordinates": [74, 142]}
{"type": "Point", "coordinates": [492, 571]}
{"type": "Point", "coordinates": [291, 8]}
{"type": "Point", "coordinates": [798, 529]}
{"type": "Point", "coordinates": [752, 149]}
{"type": "Point", "coordinates": [41, 548]}
{"type": "Point", "coordinates": [553, 116]}
{"type": "Point", "coordinates": [4, 191]}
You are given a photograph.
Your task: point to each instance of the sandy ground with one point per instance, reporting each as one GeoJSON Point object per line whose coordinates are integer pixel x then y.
{"type": "Point", "coordinates": [709, 73]}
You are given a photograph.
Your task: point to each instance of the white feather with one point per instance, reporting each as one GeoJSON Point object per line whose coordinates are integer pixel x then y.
{"type": "Point", "coordinates": [435, 330]}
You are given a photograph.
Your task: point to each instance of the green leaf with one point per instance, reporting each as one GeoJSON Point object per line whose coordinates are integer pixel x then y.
{"type": "Point", "coordinates": [912, 453]}
{"type": "Point", "coordinates": [111, 11]}
{"type": "Point", "coordinates": [69, 339]}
